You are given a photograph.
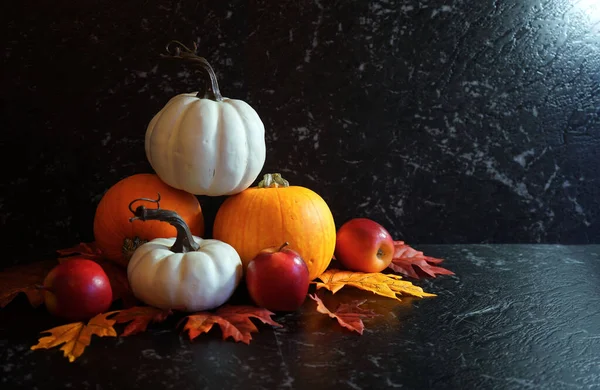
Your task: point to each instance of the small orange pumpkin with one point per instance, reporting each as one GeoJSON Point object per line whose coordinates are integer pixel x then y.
{"type": "Point", "coordinates": [118, 238]}
{"type": "Point", "coordinates": [274, 212]}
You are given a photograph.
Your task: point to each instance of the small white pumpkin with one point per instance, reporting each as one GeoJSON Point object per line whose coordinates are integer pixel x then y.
{"type": "Point", "coordinates": [185, 273]}
{"type": "Point", "coordinates": [204, 143]}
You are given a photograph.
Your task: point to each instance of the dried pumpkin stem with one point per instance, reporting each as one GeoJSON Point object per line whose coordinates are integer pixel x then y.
{"type": "Point", "coordinates": [273, 180]}
{"type": "Point", "coordinates": [180, 51]}
{"type": "Point", "coordinates": [184, 242]}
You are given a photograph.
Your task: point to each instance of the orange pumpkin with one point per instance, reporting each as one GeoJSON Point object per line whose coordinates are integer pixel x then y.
{"type": "Point", "coordinates": [275, 212]}
{"type": "Point", "coordinates": [118, 238]}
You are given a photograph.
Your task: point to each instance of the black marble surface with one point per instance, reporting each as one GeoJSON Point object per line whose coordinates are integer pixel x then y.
{"type": "Point", "coordinates": [447, 121]}
{"type": "Point", "coordinates": [513, 317]}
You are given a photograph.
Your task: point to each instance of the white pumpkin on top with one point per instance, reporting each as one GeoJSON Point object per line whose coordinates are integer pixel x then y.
{"type": "Point", "coordinates": [204, 143]}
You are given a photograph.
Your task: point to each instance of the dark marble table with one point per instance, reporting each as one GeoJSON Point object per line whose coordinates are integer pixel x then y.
{"type": "Point", "coordinates": [513, 317]}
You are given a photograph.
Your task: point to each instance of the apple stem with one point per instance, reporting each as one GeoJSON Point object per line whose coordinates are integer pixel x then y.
{"type": "Point", "coordinates": [283, 246]}
{"type": "Point", "coordinates": [184, 242]}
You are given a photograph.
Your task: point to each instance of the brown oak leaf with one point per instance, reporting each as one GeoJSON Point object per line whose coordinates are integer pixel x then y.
{"type": "Point", "coordinates": [410, 262]}
{"type": "Point", "coordinates": [348, 315]}
{"type": "Point", "coordinates": [88, 250]}
{"type": "Point", "coordinates": [387, 285]}
{"type": "Point", "coordinates": [77, 336]}
{"type": "Point", "coordinates": [139, 317]}
{"type": "Point", "coordinates": [24, 279]}
{"type": "Point", "coordinates": [234, 322]}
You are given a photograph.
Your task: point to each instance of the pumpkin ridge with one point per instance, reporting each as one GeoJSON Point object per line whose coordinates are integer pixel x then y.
{"type": "Point", "coordinates": [249, 211]}
{"type": "Point", "coordinates": [183, 267]}
{"type": "Point", "coordinates": [150, 131]}
{"type": "Point", "coordinates": [210, 268]}
{"type": "Point", "coordinates": [306, 195]}
{"type": "Point", "coordinates": [219, 142]}
{"type": "Point", "coordinates": [108, 226]}
{"type": "Point", "coordinates": [243, 126]}
{"type": "Point", "coordinates": [174, 140]}
{"type": "Point", "coordinates": [161, 269]}
{"type": "Point", "coordinates": [281, 211]}
{"type": "Point", "coordinates": [320, 218]}
{"type": "Point", "coordinates": [131, 269]}
{"type": "Point", "coordinates": [258, 225]}
{"type": "Point", "coordinates": [246, 125]}
{"type": "Point", "coordinates": [144, 257]}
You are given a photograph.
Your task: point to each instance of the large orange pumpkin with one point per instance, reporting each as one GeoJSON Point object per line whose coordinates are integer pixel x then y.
{"type": "Point", "coordinates": [275, 212]}
{"type": "Point", "coordinates": [118, 238]}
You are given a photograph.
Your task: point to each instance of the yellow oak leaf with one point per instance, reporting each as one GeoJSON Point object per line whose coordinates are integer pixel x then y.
{"type": "Point", "coordinates": [77, 336]}
{"type": "Point", "coordinates": [387, 285]}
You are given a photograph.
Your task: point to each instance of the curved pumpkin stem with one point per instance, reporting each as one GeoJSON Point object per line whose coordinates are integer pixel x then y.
{"type": "Point", "coordinates": [157, 201]}
{"type": "Point", "coordinates": [273, 180]}
{"type": "Point", "coordinates": [184, 242]}
{"type": "Point", "coordinates": [183, 52]}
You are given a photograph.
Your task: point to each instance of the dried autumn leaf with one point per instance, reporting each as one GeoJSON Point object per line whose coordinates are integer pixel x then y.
{"type": "Point", "coordinates": [77, 336]}
{"type": "Point", "coordinates": [348, 315]}
{"type": "Point", "coordinates": [87, 250]}
{"type": "Point", "coordinates": [119, 283]}
{"type": "Point", "coordinates": [24, 279]}
{"type": "Point", "coordinates": [407, 261]}
{"type": "Point", "coordinates": [387, 285]}
{"type": "Point", "coordinates": [234, 322]}
{"type": "Point", "coordinates": [139, 317]}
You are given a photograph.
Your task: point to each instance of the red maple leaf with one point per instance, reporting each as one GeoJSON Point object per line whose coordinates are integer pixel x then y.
{"type": "Point", "coordinates": [348, 315]}
{"type": "Point", "coordinates": [234, 322]}
{"type": "Point", "coordinates": [139, 317]}
{"type": "Point", "coordinates": [411, 262]}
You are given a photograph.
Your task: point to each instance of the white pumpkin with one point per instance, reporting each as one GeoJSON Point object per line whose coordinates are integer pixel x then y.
{"type": "Point", "coordinates": [194, 281]}
{"type": "Point", "coordinates": [204, 143]}
{"type": "Point", "coordinates": [185, 273]}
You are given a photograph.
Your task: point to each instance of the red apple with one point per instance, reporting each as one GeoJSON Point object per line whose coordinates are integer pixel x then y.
{"type": "Point", "coordinates": [77, 290]}
{"type": "Point", "coordinates": [364, 245]}
{"type": "Point", "coordinates": [277, 279]}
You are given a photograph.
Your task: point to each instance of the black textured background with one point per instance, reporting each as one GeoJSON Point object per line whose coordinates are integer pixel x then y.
{"type": "Point", "coordinates": [446, 121]}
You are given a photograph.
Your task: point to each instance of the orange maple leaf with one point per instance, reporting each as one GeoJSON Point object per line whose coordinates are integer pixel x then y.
{"type": "Point", "coordinates": [234, 322]}
{"type": "Point", "coordinates": [348, 315]}
{"type": "Point", "coordinates": [24, 279]}
{"type": "Point", "coordinates": [139, 317]}
{"type": "Point", "coordinates": [407, 261]}
{"type": "Point", "coordinates": [77, 336]}
{"type": "Point", "coordinates": [387, 285]}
